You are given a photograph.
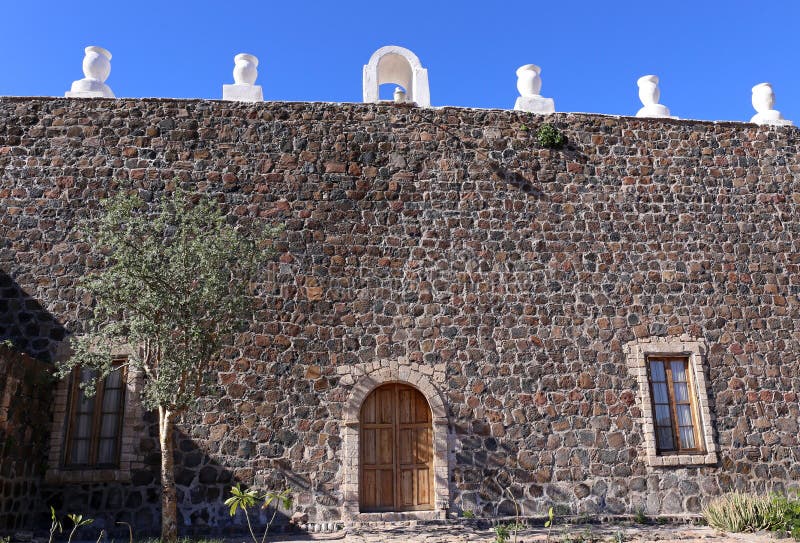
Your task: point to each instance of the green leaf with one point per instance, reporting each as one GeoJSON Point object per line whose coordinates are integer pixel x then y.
{"type": "Point", "coordinates": [174, 277]}
{"type": "Point", "coordinates": [233, 503]}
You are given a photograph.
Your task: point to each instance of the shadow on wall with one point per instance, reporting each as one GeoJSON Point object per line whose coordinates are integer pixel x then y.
{"type": "Point", "coordinates": [541, 171]}
{"type": "Point", "coordinates": [25, 403]}
{"type": "Point", "coordinates": [203, 485]}
{"type": "Point", "coordinates": [28, 325]}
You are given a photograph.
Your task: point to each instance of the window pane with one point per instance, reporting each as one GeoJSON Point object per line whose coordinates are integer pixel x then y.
{"type": "Point", "coordinates": [87, 375]}
{"type": "Point", "coordinates": [114, 379]}
{"type": "Point", "coordinates": [687, 437]}
{"type": "Point", "coordinates": [678, 371]}
{"type": "Point", "coordinates": [660, 393]}
{"type": "Point", "coordinates": [665, 442]}
{"type": "Point", "coordinates": [85, 404]}
{"type": "Point", "coordinates": [83, 426]}
{"type": "Point", "coordinates": [109, 426]}
{"type": "Point", "coordinates": [111, 400]}
{"type": "Point", "coordinates": [663, 416]}
{"type": "Point", "coordinates": [80, 451]}
{"type": "Point", "coordinates": [684, 415]}
{"type": "Point", "coordinates": [681, 392]}
{"type": "Point", "coordinates": [657, 371]}
{"type": "Point", "coordinates": [107, 452]}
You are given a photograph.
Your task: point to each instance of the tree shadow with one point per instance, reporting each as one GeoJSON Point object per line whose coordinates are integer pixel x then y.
{"type": "Point", "coordinates": [25, 405]}
{"type": "Point", "coordinates": [26, 324]}
{"type": "Point", "coordinates": [517, 179]}
{"type": "Point", "coordinates": [203, 484]}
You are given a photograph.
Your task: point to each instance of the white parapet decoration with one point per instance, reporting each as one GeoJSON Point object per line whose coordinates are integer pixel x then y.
{"type": "Point", "coordinates": [96, 68]}
{"type": "Point", "coordinates": [649, 94]}
{"type": "Point", "coordinates": [763, 100]}
{"type": "Point", "coordinates": [529, 85]}
{"type": "Point", "coordinates": [397, 65]}
{"type": "Point", "coordinates": [244, 89]}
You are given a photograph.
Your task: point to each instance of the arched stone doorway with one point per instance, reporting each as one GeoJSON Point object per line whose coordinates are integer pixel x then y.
{"type": "Point", "coordinates": [351, 434]}
{"type": "Point", "coordinates": [396, 456]}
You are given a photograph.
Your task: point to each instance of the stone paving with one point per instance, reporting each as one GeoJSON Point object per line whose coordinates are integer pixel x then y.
{"type": "Point", "coordinates": [411, 533]}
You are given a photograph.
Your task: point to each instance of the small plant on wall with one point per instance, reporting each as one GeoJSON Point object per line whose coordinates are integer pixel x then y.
{"type": "Point", "coordinates": [550, 137]}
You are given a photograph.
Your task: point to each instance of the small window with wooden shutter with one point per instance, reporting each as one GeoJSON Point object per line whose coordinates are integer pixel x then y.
{"type": "Point", "coordinates": [94, 425]}
{"type": "Point", "coordinates": [674, 406]}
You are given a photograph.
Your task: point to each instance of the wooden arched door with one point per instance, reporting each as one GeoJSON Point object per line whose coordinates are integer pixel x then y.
{"type": "Point", "coordinates": [396, 456]}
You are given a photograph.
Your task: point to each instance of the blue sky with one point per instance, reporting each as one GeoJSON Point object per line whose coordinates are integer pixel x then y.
{"type": "Point", "coordinates": [708, 54]}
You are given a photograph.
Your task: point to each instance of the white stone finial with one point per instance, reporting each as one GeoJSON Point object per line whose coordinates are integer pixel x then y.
{"type": "Point", "coordinates": [649, 94]}
{"type": "Point", "coordinates": [399, 95]}
{"type": "Point", "coordinates": [398, 65]}
{"type": "Point", "coordinates": [96, 68]}
{"type": "Point", "coordinates": [763, 101]}
{"type": "Point", "coordinates": [529, 85]}
{"type": "Point", "coordinates": [245, 72]}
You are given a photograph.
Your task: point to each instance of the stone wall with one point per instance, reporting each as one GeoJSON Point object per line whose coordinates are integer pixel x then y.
{"type": "Point", "coordinates": [445, 243]}
{"type": "Point", "coordinates": [25, 400]}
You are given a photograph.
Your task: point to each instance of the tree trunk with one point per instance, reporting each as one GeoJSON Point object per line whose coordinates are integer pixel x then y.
{"type": "Point", "coordinates": [169, 498]}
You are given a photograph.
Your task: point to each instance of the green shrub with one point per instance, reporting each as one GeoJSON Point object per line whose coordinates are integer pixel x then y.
{"type": "Point", "coordinates": [549, 136]}
{"type": "Point", "coordinates": [786, 516]}
{"type": "Point", "coordinates": [501, 533]}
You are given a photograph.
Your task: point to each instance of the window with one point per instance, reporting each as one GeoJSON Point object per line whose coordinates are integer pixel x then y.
{"type": "Point", "coordinates": [674, 405]}
{"type": "Point", "coordinates": [94, 425]}
{"type": "Point", "coordinates": [673, 401]}
{"type": "Point", "coordinates": [97, 439]}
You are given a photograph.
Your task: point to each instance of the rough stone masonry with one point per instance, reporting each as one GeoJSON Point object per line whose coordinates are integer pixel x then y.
{"type": "Point", "coordinates": [444, 247]}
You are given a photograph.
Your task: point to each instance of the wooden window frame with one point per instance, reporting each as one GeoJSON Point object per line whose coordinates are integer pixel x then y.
{"type": "Point", "coordinates": [695, 350]}
{"type": "Point", "coordinates": [75, 394]}
{"type": "Point", "coordinates": [673, 405]}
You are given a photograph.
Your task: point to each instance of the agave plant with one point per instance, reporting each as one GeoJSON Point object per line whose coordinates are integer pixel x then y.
{"type": "Point", "coordinates": [741, 512]}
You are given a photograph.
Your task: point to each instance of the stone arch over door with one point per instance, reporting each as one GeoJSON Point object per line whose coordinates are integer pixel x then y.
{"type": "Point", "coordinates": [351, 461]}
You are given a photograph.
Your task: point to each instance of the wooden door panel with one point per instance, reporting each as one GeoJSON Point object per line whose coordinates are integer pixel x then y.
{"type": "Point", "coordinates": [386, 488]}
{"type": "Point", "coordinates": [396, 450]}
{"type": "Point", "coordinates": [406, 445]}
{"type": "Point", "coordinates": [387, 406]}
{"type": "Point", "coordinates": [368, 410]}
{"type": "Point", "coordinates": [368, 447]}
{"type": "Point", "coordinates": [422, 411]}
{"type": "Point", "coordinates": [423, 481]}
{"type": "Point", "coordinates": [385, 446]}
{"type": "Point", "coordinates": [369, 486]}
{"type": "Point", "coordinates": [422, 446]}
{"type": "Point", "coordinates": [406, 406]}
{"type": "Point", "coordinates": [407, 488]}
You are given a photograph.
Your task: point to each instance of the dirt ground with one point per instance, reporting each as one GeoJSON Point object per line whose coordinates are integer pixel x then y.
{"type": "Point", "coordinates": [561, 534]}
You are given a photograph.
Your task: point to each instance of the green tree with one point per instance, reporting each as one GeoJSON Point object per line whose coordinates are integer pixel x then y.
{"type": "Point", "coordinates": [174, 282]}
